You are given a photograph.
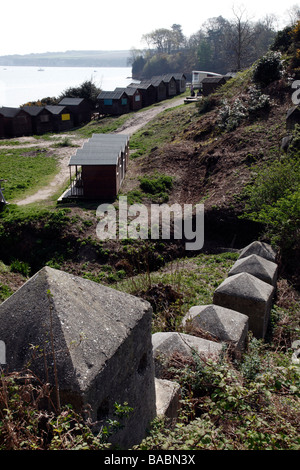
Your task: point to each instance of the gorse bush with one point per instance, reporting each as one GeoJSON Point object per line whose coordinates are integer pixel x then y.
{"type": "Point", "coordinates": [268, 69]}
{"type": "Point", "coordinates": [156, 184]}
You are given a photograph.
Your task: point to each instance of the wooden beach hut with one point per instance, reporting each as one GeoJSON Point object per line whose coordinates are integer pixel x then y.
{"type": "Point", "coordinates": [180, 79]}
{"type": "Point", "coordinates": [79, 107]}
{"type": "Point", "coordinates": [160, 87]}
{"type": "Point", "coordinates": [41, 119]}
{"type": "Point", "coordinates": [147, 90]}
{"type": "Point", "coordinates": [113, 102]}
{"type": "Point", "coordinates": [170, 83]}
{"type": "Point", "coordinates": [100, 167]}
{"type": "Point", "coordinates": [16, 122]}
{"type": "Point", "coordinates": [210, 84]}
{"type": "Point", "coordinates": [134, 97]}
{"type": "Point", "coordinates": [62, 118]}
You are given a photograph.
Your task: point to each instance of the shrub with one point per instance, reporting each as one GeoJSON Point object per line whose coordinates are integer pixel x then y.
{"type": "Point", "coordinates": [230, 116]}
{"type": "Point", "coordinates": [273, 199]}
{"type": "Point", "coordinates": [155, 185]}
{"type": "Point", "coordinates": [20, 267]}
{"type": "Point", "coordinates": [268, 69]}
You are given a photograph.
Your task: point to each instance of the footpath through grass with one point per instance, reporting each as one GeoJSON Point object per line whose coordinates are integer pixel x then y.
{"type": "Point", "coordinates": [25, 171]}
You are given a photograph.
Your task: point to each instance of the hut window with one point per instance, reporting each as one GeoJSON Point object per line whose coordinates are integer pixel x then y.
{"type": "Point", "coordinates": [124, 101]}
{"type": "Point", "coordinates": [65, 117]}
{"type": "Point", "coordinates": [107, 102]}
{"type": "Point", "coordinates": [137, 98]}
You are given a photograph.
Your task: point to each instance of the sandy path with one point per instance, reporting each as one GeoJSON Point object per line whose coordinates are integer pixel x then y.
{"type": "Point", "coordinates": [132, 125]}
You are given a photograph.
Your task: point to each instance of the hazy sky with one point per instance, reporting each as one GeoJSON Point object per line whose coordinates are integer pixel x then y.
{"type": "Point", "coordinates": [59, 25]}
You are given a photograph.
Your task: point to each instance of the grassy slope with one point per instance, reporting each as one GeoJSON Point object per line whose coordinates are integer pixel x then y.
{"type": "Point", "coordinates": [206, 166]}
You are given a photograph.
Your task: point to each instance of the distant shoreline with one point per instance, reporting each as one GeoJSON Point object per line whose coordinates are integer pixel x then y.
{"type": "Point", "coordinates": [69, 59]}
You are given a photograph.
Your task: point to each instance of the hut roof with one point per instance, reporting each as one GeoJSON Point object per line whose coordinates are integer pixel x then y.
{"type": "Point", "coordinates": [130, 91]}
{"type": "Point", "coordinates": [144, 85]}
{"type": "Point", "coordinates": [55, 109]}
{"type": "Point", "coordinates": [212, 79]}
{"type": "Point", "coordinates": [101, 149]}
{"type": "Point", "coordinates": [33, 110]}
{"type": "Point", "coordinates": [113, 95]}
{"type": "Point", "coordinates": [179, 75]}
{"type": "Point", "coordinates": [68, 101]}
{"type": "Point", "coordinates": [9, 112]}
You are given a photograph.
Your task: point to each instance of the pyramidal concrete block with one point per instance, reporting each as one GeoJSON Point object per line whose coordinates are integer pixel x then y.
{"type": "Point", "coordinates": [258, 266]}
{"type": "Point", "coordinates": [248, 295]}
{"type": "Point", "coordinates": [261, 249]}
{"type": "Point", "coordinates": [167, 398]}
{"type": "Point", "coordinates": [166, 344]}
{"type": "Point", "coordinates": [225, 324]}
{"type": "Point", "coordinates": [102, 345]}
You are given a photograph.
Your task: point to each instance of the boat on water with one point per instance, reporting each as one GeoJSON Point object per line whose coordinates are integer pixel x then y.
{"type": "Point", "coordinates": [41, 70]}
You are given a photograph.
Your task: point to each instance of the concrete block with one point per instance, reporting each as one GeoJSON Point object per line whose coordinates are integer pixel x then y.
{"type": "Point", "coordinates": [165, 344]}
{"type": "Point", "coordinates": [102, 345]}
{"type": "Point", "coordinates": [248, 295]}
{"type": "Point", "coordinates": [259, 267]}
{"type": "Point", "coordinates": [223, 323]}
{"type": "Point", "coordinates": [261, 249]}
{"type": "Point", "coordinates": [167, 398]}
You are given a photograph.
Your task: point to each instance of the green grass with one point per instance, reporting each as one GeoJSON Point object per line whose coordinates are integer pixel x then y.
{"type": "Point", "coordinates": [161, 130]}
{"type": "Point", "coordinates": [25, 173]}
{"type": "Point", "coordinates": [104, 126]}
{"type": "Point", "coordinates": [194, 279]}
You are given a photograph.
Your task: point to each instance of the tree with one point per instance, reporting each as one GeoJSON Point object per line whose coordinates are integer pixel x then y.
{"type": "Point", "coordinates": [240, 36]}
{"type": "Point", "coordinates": [87, 90]}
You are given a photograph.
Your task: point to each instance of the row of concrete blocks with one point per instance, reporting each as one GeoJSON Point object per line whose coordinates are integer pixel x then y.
{"type": "Point", "coordinates": [241, 303]}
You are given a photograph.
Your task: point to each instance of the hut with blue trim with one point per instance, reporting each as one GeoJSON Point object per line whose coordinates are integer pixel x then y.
{"type": "Point", "coordinates": [113, 102]}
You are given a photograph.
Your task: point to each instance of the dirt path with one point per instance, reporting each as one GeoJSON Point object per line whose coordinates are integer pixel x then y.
{"type": "Point", "coordinates": [64, 153]}
{"type": "Point", "coordinates": [143, 117]}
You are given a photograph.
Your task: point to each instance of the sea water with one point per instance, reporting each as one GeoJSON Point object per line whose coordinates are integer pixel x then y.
{"type": "Point", "coordinates": [18, 85]}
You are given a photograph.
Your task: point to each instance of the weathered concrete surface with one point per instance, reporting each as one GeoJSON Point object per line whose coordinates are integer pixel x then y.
{"type": "Point", "coordinates": [102, 344]}
{"type": "Point", "coordinates": [259, 248]}
{"type": "Point", "coordinates": [165, 344]}
{"type": "Point", "coordinates": [224, 324]}
{"type": "Point", "coordinates": [259, 267]}
{"type": "Point", "coordinates": [167, 398]}
{"type": "Point", "coordinates": [248, 295]}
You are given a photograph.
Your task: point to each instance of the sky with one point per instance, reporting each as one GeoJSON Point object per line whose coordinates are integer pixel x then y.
{"type": "Point", "coordinates": [31, 27]}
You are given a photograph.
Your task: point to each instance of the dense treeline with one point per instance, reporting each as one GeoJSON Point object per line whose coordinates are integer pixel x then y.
{"type": "Point", "coordinates": [220, 45]}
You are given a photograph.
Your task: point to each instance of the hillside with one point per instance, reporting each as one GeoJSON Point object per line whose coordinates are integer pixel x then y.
{"type": "Point", "coordinates": [209, 152]}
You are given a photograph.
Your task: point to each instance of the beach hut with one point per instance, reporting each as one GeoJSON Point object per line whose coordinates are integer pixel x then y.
{"type": "Point", "coordinates": [160, 87]}
{"type": "Point", "coordinates": [79, 107]}
{"type": "Point", "coordinates": [41, 119]}
{"type": "Point", "coordinates": [113, 102]}
{"type": "Point", "coordinates": [147, 90]}
{"type": "Point", "coordinates": [170, 83]}
{"type": "Point", "coordinates": [62, 118]}
{"type": "Point", "coordinates": [210, 84]}
{"type": "Point", "coordinates": [180, 79]}
{"type": "Point", "coordinates": [16, 122]}
{"type": "Point", "coordinates": [134, 96]}
{"type": "Point", "coordinates": [100, 167]}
